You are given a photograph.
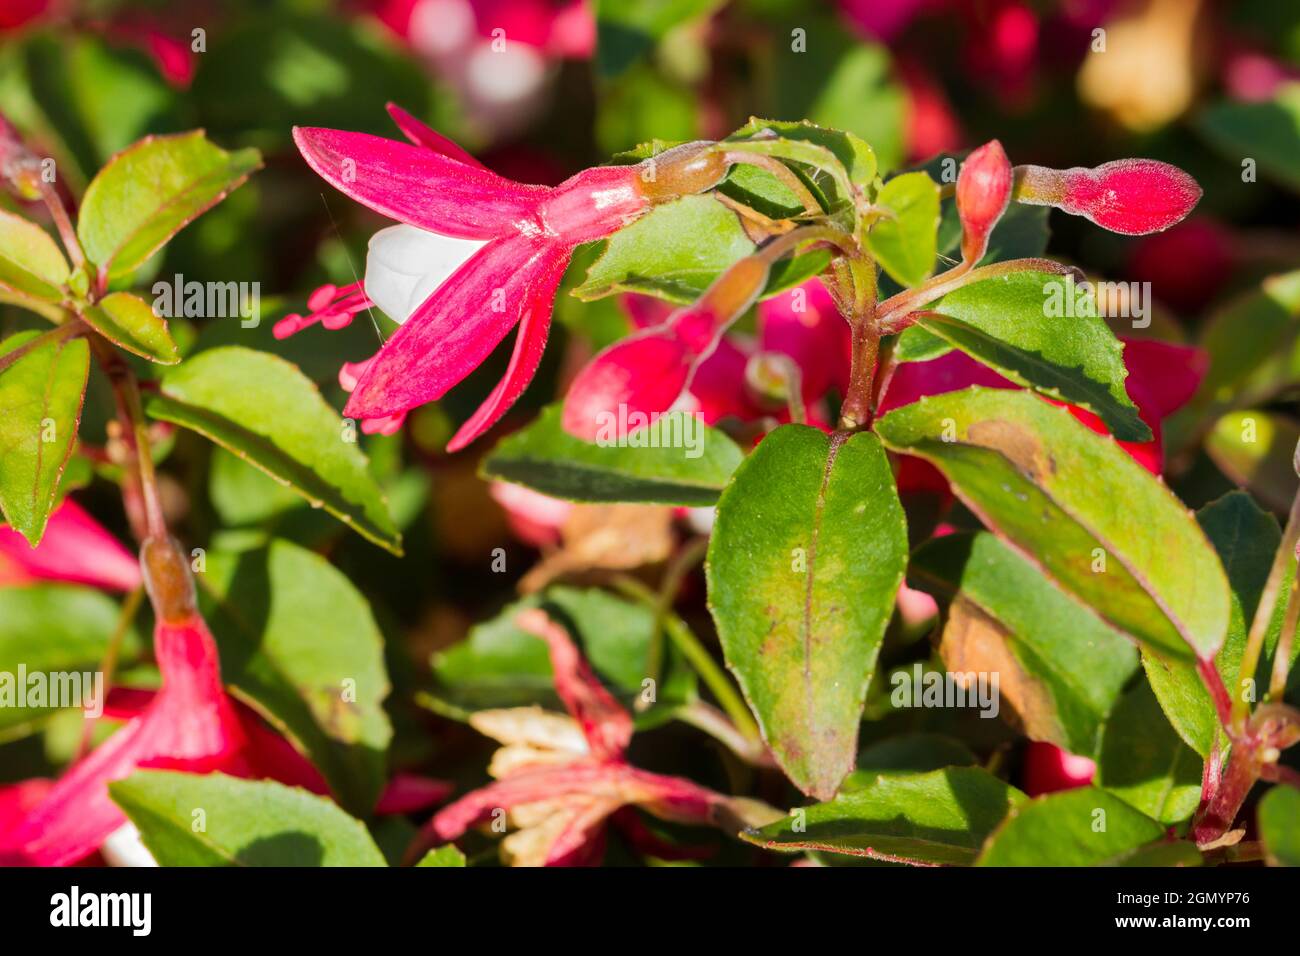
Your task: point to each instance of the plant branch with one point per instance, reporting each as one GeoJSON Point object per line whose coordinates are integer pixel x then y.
{"type": "Point", "coordinates": [63, 222]}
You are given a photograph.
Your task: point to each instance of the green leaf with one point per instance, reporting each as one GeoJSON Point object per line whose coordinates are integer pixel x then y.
{"type": "Point", "coordinates": [1071, 499]}
{"type": "Point", "coordinates": [1061, 668]}
{"type": "Point", "coordinates": [817, 163]}
{"type": "Point", "coordinates": [1279, 826]}
{"type": "Point", "coordinates": [150, 191]}
{"type": "Point", "coordinates": [443, 856]}
{"type": "Point", "coordinates": [545, 457]}
{"type": "Point", "coordinates": [805, 558]}
{"type": "Point", "coordinates": [127, 320]}
{"type": "Point", "coordinates": [908, 753]}
{"type": "Point", "coordinates": [47, 629]}
{"type": "Point", "coordinates": [31, 263]}
{"type": "Point", "coordinates": [904, 240]}
{"type": "Point", "coordinates": [1245, 539]}
{"type": "Point", "coordinates": [678, 249]}
{"type": "Point", "coordinates": [1083, 827]}
{"type": "Point", "coordinates": [246, 822]}
{"type": "Point", "coordinates": [41, 395]}
{"type": "Point", "coordinates": [1145, 763]}
{"type": "Point", "coordinates": [1267, 132]}
{"type": "Point", "coordinates": [498, 665]}
{"type": "Point", "coordinates": [941, 817]}
{"type": "Point", "coordinates": [1009, 324]}
{"type": "Point", "coordinates": [267, 412]}
{"type": "Point", "coordinates": [853, 154]}
{"type": "Point", "coordinates": [1256, 449]}
{"type": "Point", "coordinates": [300, 642]}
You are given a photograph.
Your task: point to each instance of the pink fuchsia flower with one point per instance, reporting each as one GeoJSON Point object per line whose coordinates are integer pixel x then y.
{"type": "Point", "coordinates": [1187, 265]}
{"type": "Point", "coordinates": [190, 724]}
{"type": "Point", "coordinates": [18, 13]}
{"type": "Point", "coordinates": [931, 125]}
{"type": "Point", "coordinates": [535, 518]}
{"type": "Point", "coordinates": [799, 328]}
{"type": "Point", "coordinates": [983, 192]}
{"type": "Point", "coordinates": [883, 19]}
{"type": "Point", "coordinates": [75, 548]}
{"type": "Point", "coordinates": [1129, 196]}
{"type": "Point", "coordinates": [562, 779]}
{"type": "Point", "coordinates": [1048, 769]}
{"type": "Point", "coordinates": [515, 242]}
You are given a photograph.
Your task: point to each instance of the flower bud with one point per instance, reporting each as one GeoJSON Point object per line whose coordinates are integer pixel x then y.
{"type": "Point", "coordinates": [983, 191]}
{"type": "Point", "coordinates": [167, 579]}
{"type": "Point", "coordinates": [640, 376]}
{"type": "Point", "coordinates": [1130, 196]}
{"type": "Point", "coordinates": [681, 171]}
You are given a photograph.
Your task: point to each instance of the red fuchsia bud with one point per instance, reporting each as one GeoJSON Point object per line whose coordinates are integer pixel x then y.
{"type": "Point", "coordinates": [1048, 769]}
{"type": "Point", "coordinates": [1130, 196]}
{"type": "Point", "coordinates": [983, 191]}
{"type": "Point", "coordinates": [645, 374]}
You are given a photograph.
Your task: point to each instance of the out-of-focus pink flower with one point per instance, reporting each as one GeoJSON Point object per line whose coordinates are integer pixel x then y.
{"type": "Point", "coordinates": [1048, 769]}
{"type": "Point", "coordinates": [932, 126]}
{"type": "Point", "coordinates": [534, 518]}
{"type": "Point", "coordinates": [1188, 265]}
{"type": "Point", "coordinates": [18, 13]}
{"type": "Point", "coordinates": [634, 380]}
{"type": "Point", "coordinates": [493, 252]}
{"type": "Point", "coordinates": [1130, 196]}
{"type": "Point", "coordinates": [172, 55]}
{"type": "Point", "coordinates": [1002, 45]}
{"type": "Point", "coordinates": [801, 325]}
{"type": "Point", "coordinates": [498, 55]}
{"type": "Point", "coordinates": [562, 779]}
{"type": "Point", "coordinates": [883, 19]}
{"type": "Point", "coordinates": [1254, 77]}
{"type": "Point", "coordinates": [75, 548]}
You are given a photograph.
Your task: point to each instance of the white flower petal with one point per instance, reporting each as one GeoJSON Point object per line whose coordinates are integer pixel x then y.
{"type": "Point", "coordinates": [404, 265]}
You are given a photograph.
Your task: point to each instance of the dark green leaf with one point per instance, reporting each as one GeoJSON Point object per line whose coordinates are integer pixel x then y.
{"type": "Point", "coordinates": [299, 640]}
{"type": "Point", "coordinates": [40, 408]}
{"type": "Point", "coordinates": [1279, 826]}
{"type": "Point", "coordinates": [244, 822]}
{"type": "Point", "coordinates": [1074, 501]}
{"type": "Point", "coordinates": [1245, 539]}
{"type": "Point", "coordinates": [498, 665]}
{"type": "Point", "coordinates": [443, 856]}
{"type": "Point", "coordinates": [266, 411]}
{"type": "Point", "coordinates": [1146, 764]}
{"type": "Point", "coordinates": [1083, 827]}
{"type": "Point", "coordinates": [804, 562]}
{"type": "Point", "coordinates": [1266, 132]}
{"type": "Point", "coordinates": [1010, 324]}
{"type": "Point", "coordinates": [941, 817]}
{"type": "Point", "coordinates": [545, 457]}
{"type": "Point", "coordinates": [47, 629]}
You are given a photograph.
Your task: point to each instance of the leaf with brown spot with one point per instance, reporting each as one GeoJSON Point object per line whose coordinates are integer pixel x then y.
{"type": "Point", "coordinates": [1098, 523]}
{"type": "Point", "coordinates": [806, 557]}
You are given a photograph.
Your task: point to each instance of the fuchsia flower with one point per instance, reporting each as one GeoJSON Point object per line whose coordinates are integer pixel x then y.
{"type": "Point", "coordinates": [1048, 768]}
{"type": "Point", "coordinates": [644, 374]}
{"type": "Point", "coordinates": [1129, 196]}
{"type": "Point", "coordinates": [561, 779]}
{"type": "Point", "coordinates": [801, 325]}
{"type": "Point", "coordinates": [478, 256]}
{"type": "Point", "coordinates": [190, 724]}
{"type": "Point", "coordinates": [75, 548]}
